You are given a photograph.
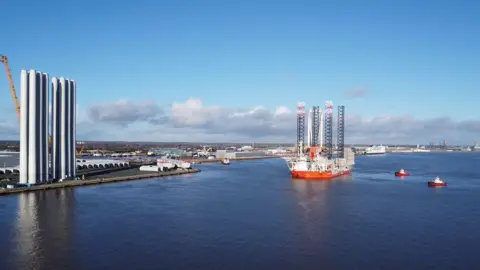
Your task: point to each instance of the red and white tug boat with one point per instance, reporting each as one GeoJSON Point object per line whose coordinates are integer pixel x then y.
{"type": "Point", "coordinates": [402, 172]}
{"type": "Point", "coordinates": [225, 161]}
{"type": "Point", "coordinates": [437, 183]}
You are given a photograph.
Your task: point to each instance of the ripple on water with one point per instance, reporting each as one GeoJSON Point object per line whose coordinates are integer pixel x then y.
{"type": "Point", "coordinates": [252, 215]}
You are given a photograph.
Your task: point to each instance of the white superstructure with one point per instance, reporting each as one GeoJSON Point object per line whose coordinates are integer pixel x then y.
{"type": "Point", "coordinates": [437, 180]}
{"type": "Point", "coordinates": [226, 161]}
{"type": "Point", "coordinates": [321, 163]}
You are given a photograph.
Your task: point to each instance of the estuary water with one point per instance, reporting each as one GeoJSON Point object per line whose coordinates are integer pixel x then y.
{"type": "Point", "coordinates": [252, 215]}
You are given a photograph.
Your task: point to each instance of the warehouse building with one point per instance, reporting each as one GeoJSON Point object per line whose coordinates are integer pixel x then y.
{"type": "Point", "coordinates": [234, 154]}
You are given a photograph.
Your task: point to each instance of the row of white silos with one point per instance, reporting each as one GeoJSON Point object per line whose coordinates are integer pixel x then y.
{"type": "Point", "coordinates": [34, 128]}
{"type": "Point", "coordinates": [64, 129]}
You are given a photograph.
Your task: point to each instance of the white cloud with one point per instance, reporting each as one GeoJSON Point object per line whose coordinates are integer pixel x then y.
{"type": "Point", "coordinates": [123, 112]}
{"type": "Point", "coordinates": [232, 124]}
{"type": "Point", "coordinates": [193, 113]}
{"type": "Point", "coordinates": [193, 121]}
{"type": "Point", "coordinates": [282, 110]}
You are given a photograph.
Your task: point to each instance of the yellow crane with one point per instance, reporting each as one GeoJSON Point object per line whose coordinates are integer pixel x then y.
{"type": "Point", "coordinates": [4, 61]}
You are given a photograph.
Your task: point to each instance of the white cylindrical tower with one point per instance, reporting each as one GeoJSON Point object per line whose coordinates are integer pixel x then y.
{"type": "Point", "coordinates": [45, 127]}
{"type": "Point", "coordinates": [24, 125]}
{"type": "Point", "coordinates": [63, 130]}
{"type": "Point", "coordinates": [32, 128]}
{"type": "Point", "coordinates": [56, 104]}
{"type": "Point", "coordinates": [68, 145]}
{"type": "Point", "coordinates": [40, 125]}
{"type": "Point", "coordinates": [73, 91]}
{"type": "Point", "coordinates": [310, 128]}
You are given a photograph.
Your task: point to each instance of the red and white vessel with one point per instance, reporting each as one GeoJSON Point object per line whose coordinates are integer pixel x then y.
{"type": "Point", "coordinates": [225, 161]}
{"type": "Point", "coordinates": [402, 172]}
{"type": "Point", "coordinates": [437, 182]}
{"type": "Point", "coordinates": [317, 166]}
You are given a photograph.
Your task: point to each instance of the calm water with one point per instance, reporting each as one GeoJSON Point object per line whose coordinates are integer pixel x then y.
{"type": "Point", "coordinates": [251, 215]}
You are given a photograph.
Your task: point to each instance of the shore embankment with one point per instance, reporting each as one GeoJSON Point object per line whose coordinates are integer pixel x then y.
{"type": "Point", "coordinates": [204, 160]}
{"type": "Point", "coordinates": [96, 181]}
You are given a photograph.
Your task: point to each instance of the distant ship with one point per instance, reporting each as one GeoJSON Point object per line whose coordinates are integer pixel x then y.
{"type": "Point", "coordinates": [375, 150]}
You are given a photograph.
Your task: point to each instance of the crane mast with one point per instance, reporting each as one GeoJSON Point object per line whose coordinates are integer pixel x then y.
{"type": "Point", "coordinates": [4, 60]}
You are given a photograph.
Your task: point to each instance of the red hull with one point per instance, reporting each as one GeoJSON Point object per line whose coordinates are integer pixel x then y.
{"type": "Point", "coordinates": [401, 174]}
{"type": "Point", "coordinates": [317, 175]}
{"type": "Point", "coordinates": [432, 184]}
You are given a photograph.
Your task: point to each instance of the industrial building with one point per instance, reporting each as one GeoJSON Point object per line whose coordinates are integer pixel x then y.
{"type": "Point", "coordinates": [174, 152]}
{"type": "Point", "coordinates": [100, 164]}
{"type": "Point", "coordinates": [34, 128]}
{"type": "Point", "coordinates": [9, 162]}
{"type": "Point", "coordinates": [233, 154]}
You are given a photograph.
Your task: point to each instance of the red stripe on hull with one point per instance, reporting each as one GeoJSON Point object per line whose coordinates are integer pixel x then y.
{"type": "Point", "coordinates": [401, 174]}
{"type": "Point", "coordinates": [432, 184]}
{"type": "Point", "coordinates": [313, 175]}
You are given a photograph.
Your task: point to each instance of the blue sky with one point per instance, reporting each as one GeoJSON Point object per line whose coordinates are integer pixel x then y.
{"type": "Point", "coordinates": [413, 57]}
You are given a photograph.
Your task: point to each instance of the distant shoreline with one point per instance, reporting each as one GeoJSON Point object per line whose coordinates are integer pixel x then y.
{"type": "Point", "coordinates": [432, 151]}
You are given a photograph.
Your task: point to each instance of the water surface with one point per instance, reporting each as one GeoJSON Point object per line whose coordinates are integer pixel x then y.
{"type": "Point", "coordinates": [252, 215]}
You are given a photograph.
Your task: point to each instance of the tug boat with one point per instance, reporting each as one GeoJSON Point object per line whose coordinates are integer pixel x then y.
{"type": "Point", "coordinates": [225, 161]}
{"type": "Point", "coordinates": [402, 172]}
{"type": "Point", "coordinates": [437, 183]}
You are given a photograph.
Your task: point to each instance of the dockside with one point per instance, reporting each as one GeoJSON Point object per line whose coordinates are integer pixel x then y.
{"type": "Point", "coordinates": [97, 181]}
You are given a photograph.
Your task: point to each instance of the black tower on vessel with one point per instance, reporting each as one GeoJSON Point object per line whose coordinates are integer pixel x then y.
{"type": "Point", "coordinates": [328, 131]}
{"type": "Point", "coordinates": [341, 131]}
{"type": "Point", "coordinates": [300, 126]}
{"type": "Point", "coordinates": [315, 125]}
